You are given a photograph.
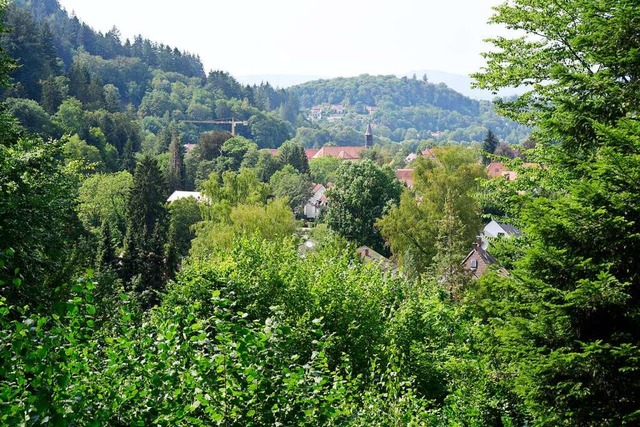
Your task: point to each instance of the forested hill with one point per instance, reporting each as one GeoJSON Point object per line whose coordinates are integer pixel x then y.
{"type": "Point", "coordinates": [391, 91]}
{"type": "Point", "coordinates": [71, 79]}
{"type": "Point", "coordinates": [47, 41]}
{"type": "Point", "coordinates": [71, 34]}
{"type": "Point", "coordinates": [405, 108]}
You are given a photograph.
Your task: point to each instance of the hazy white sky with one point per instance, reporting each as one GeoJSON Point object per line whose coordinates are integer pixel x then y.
{"type": "Point", "coordinates": [323, 38]}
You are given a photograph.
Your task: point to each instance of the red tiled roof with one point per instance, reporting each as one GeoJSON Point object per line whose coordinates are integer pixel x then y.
{"type": "Point", "coordinates": [495, 169]}
{"type": "Point", "coordinates": [406, 176]}
{"type": "Point", "coordinates": [499, 169]}
{"type": "Point", "coordinates": [428, 154]}
{"type": "Point", "coordinates": [310, 152]}
{"type": "Point", "coordinates": [349, 153]}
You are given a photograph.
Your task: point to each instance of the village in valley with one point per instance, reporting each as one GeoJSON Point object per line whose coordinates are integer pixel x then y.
{"type": "Point", "coordinates": [181, 244]}
{"type": "Point", "coordinates": [476, 261]}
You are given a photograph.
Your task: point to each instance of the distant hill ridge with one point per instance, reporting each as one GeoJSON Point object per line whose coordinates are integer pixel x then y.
{"type": "Point", "coordinates": [367, 90]}
{"type": "Point", "coordinates": [458, 82]}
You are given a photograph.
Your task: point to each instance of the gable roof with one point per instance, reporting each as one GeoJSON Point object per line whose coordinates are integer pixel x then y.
{"type": "Point", "coordinates": [508, 229]}
{"type": "Point", "coordinates": [482, 254]}
{"type": "Point", "coordinates": [428, 154]}
{"type": "Point", "coordinates": [410, 158]}
{"type": "Point", "coordinates": [495, 169]}
{"type": "Point", "coordinates": [310, 152]}
{"type": "Point", "coordinates": [483, 260]}
{"type": "Point", "coordinates": [368, 254]}
{"type": "Point", "coordinates": [347, 153]}
{"type": "Point", "coordinates": [405, 176]}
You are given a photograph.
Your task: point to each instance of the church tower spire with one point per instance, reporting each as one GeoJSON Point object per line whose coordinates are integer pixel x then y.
{"type": "Point", "coordinates": [368, 137]}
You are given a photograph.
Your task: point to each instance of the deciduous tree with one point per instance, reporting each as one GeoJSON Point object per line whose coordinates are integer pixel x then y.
{"type": "Point", "coordinates": [292, 185]}
{"type": "Point", "coordinates": [412, 228]}
{"type": "Point", "coordinates": [361, 195]}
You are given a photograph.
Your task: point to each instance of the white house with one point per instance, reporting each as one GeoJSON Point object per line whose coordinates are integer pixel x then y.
{"type": "Point", "coordinates": [338, 109]}
{"type": "Point", "coordinates": [496, 229]}
{"type": "Point", "coordinates": [316, 203]}
{"type": "Point", "coordinates": [176, 195]}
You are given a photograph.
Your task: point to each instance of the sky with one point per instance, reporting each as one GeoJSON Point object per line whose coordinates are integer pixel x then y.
{"type": "Point", "coordinates": [329, 38]}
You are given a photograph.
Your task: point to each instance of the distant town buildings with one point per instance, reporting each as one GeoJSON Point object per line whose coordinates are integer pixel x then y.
{"type": "Point", "coordinates": [315, 113]}
{"type": "Point", "coordinates": [499, 169]}
{"type": "Point", "coordinates": [337, 109]}
{"type": "Point", "coordinates": [334, 112]}
{"type": "Point", "coordinates": [426, 153]}
{"type": "Point", "coordinates": [344, 153]}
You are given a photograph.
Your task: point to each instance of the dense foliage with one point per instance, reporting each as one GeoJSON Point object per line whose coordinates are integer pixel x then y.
{"type": "Point", "coordinates": [443, 191]}
{"type": "Point", "coordinates": [362, 193]}
{"type": "Point", "coordinates": [118, 308]}
{"type": "Point", "coordinates": [566, 334]}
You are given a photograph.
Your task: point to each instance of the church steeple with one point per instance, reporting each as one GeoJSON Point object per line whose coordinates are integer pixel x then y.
{"type": "Point", "coordinates": [368, 137]}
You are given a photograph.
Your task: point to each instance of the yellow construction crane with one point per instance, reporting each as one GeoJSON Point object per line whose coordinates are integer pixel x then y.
{"type": "Point", "coordinates": [231, 122]}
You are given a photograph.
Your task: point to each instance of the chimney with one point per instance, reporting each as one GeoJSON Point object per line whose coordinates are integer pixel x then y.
{"type": "Point", "coordinates": [478, 243]}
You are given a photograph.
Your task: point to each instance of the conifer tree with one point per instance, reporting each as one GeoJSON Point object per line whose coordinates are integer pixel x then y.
{"type": "Point", "coordinates": [564, 323]}
{"type": "Point", "coordinates": [128, 157]}
{"type": "Point", "coordinates": [292, 153]}
{"type": "Point", "coordinates": [175, 168]}
{"type": "Point", "coordinates": [147, 222]}
{"type": "Point", "coordinates": [489, 144]}
{"type": "Point", "coordinates": [107, 258]}
{"type": "Point", "coordinates": [53, 93]}
{"type": "Point", "coordinates": [164, 139]}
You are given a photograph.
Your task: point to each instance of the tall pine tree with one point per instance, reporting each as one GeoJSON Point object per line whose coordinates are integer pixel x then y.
{"type": "Point", "coordinates": [107, 258]}
{"type": "Point", "coordinates": [144, 267]}
{"type": "Point", "coordinates": [489, 145]}
{"type": "Point", "coordinates": [175, 168]}
{"type": "Point", "coordinates": [292, 153]}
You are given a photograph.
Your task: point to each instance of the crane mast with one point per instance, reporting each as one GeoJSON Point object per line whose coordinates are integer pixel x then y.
{"type": "Point", "coordinates": [233, 122]}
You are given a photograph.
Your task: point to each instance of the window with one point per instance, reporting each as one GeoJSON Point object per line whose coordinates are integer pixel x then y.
{"type": "Point", "coordinates": [474, 264]}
